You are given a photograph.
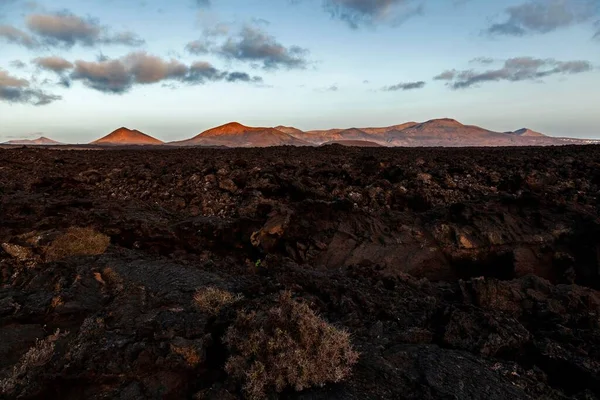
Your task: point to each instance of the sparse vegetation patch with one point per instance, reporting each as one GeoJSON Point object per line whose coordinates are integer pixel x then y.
{"type": "Point", "coordinates": [77, 242]}
{"type": "Point", "coordinates": [211, 300]}
{"type": "Point", "coordinates": [287, 346]}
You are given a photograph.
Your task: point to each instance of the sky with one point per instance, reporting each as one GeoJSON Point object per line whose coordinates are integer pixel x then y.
{"type": "Point", "coordinates": [74, 70]}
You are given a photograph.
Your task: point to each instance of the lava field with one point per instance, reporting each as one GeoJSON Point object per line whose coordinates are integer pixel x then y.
{"type": "Point", "coordinates": [453, 273]}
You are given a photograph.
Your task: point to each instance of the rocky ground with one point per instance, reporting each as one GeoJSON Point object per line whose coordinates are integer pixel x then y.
{"type": "Point", "coordinates": [459, 273]}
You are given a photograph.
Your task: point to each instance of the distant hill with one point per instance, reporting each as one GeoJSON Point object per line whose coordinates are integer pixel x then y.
{"type": "Point", "coordinates": [443, 132]}
{"type": "Point", "coordinates": [124, 137]}
{"type": "Point", "coordinates": [235, 134]}
{"type": "Point", "coordinates": [41, 141]}
{"type": "Point", "coordinates": [526, 132]}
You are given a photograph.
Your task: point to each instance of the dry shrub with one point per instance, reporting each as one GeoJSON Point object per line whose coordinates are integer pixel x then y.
{"type": "Point", "coordinates": [37, 356]}
{"type": "Point", "coordinates": [77, 242]}
{"type": "Point", "coordinates": [211, 300]}
{"type": "Point", "coordinates": [286, 346]}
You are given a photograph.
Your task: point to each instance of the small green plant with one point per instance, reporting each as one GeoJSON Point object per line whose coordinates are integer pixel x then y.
{"type": "Point", "coordinates": [286, 346]}
{"type": "Point", "coordinates": [258, 263]}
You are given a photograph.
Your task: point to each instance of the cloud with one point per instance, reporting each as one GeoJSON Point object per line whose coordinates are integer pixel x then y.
{"type": "Point", "coordinates": [210, 32]}
{"type": "Point", "coordinates": [404, 86]}
{"type": "Point", "coordinates": [324, 89]}
{"type": "Point", "coordinates": [120, 75]}
{"type": "Point", "coordinates": [16, 90]}
{"type": "Point", "coordinates": [147, 68]}
{"type": "Point", "coordinates": [66, 29]}
{"type": "Point", "coordinates": [543, 16]}
{"type": "Point", "coordinates": [446, 75]}
{"type": "Point", "coordinates": [54, 63]}
{"type": "Point", "coordinates": [200, 72]}
{"type": "Point", "coordinates": [124, 38]}
{"type": "Point", "coordinates": [254, 45]}
{"type": "Point", "coordinates": [7, 80]}
{"type": "Point", "coordinates": [515, 70]}
{"type": "Point", "coordinates": [200, 46]}
{"type": "Point", "coordinates": [106, 76]}
{"type": "Point", "coordinates": [18, 64]}
{"type": "Point", "coordinates": [482, 60]}
{"type": "Point", "coordinates": [12, 35]}
{"type": "Point", "coordinates": [370, 12]}
{"type": "Point", "coordinates": [203, 3]}
{"type": "Point", "coordinates": [250, 43]}
{"type": "Point", "coordinates": [242, 77]}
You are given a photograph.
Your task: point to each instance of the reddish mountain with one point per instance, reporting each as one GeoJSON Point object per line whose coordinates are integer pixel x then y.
{"type": "Point", "coordinates": [237, 135]}
{"type": "Point", "coordinates": [124, 137]}
{"type": "Point", "coordinates": [42, 141]}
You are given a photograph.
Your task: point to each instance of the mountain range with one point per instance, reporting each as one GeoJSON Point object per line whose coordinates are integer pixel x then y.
{"type": "Point", "coordinates": [41, 141]}
{"type": "Point", "coordinates": [443, 132]}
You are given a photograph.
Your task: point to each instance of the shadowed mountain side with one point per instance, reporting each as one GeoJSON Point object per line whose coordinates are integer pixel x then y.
{"type": "Point", "coordinates": [370, 134]}
{"type": "Point", "coordinates": [320, 137]}
{"type": "Point", "coordinates": [384, 130]}
{"type": "Point", "coordinates": [353, 143]}
{"type": "Point", "coordinates": [290, 130]}
{"type": "Point", "coordinates": [125, 136]}
{"type": "Point", "coordinates": [238, 135]}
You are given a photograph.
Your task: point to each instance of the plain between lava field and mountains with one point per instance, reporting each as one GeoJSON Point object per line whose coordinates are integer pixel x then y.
{"type": "Point", "coordinates": [434, 133]}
